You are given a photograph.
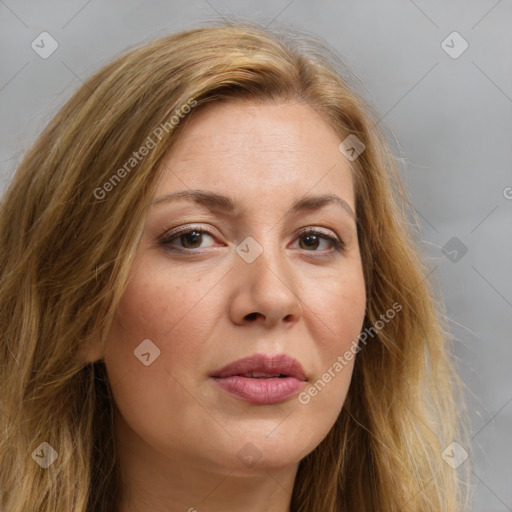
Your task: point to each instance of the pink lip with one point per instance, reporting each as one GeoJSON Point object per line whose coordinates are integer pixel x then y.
{"type": "Point", "coordinates": [261, 390]}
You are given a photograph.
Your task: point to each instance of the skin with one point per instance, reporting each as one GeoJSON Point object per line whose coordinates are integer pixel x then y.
{"type": "Point", "coordinates": [178, 433]}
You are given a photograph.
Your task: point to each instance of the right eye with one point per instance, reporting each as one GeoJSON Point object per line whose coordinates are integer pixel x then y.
{"type": "Point", "coordinates": [188, 239]}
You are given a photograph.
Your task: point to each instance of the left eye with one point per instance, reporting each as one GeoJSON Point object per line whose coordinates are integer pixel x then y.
{"type": "Point", "coordinates": [312, 240]}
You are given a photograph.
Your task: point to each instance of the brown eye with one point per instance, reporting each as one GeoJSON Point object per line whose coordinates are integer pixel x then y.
{"type": "Point", "coordinates": [190, 239]}
{"type": "Point", "coordinates": [316, 241]}
{"type": "Point", "coordinates": [309, 242]}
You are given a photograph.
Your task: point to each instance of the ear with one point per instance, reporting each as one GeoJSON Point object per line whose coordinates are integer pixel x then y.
{"type": "Point", "coordinates": [90, 351]}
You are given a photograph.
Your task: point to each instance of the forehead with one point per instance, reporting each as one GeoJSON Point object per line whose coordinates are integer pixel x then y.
{"type": "Point", "coordinates": [261, 149]}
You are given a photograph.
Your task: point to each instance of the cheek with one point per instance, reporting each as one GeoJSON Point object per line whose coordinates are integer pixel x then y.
{"type": "Point", "coordinates": [338, 312]}
{"type": "Point", "coordinates": [176, 315]}
{"type": "Point", "coordinates": [158, 306]}
{"type": "Point", "coordinates": [338, 304]}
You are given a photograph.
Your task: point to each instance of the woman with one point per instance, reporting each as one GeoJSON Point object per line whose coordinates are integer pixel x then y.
{"type": "Point", "coordinates": [210, 297]}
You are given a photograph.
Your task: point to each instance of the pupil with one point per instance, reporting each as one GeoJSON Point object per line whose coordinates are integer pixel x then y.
{"type": "Point", "coordinates": [193, 238]}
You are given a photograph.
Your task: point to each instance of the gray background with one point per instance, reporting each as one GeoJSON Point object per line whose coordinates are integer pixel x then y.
{"type": "Point", "coordinates": [451, 117]}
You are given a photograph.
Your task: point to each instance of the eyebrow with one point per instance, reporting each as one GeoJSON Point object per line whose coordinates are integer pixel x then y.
{"type": "Point", "coordinates": [215, 201]}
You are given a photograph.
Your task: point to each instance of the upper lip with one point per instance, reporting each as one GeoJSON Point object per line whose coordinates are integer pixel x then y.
{"type": "Point", "coordinates": [281, 364]}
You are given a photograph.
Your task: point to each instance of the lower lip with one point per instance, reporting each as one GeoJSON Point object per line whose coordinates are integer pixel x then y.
{"type": "Point", "coordinates": [260, 391]}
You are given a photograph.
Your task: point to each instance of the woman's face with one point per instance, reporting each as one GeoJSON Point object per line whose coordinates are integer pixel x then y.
{"type": "Point", "coordinates": [249, 251]}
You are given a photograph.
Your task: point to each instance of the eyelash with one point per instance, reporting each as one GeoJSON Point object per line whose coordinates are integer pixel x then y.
{"type": "Point", "coordinates": [167, 238]}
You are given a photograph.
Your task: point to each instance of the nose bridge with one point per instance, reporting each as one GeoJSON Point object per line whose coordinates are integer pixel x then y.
{"type": "Point", "coordinates": [263, 255]}
{"type": "Point", "coordinates": [266, 279]}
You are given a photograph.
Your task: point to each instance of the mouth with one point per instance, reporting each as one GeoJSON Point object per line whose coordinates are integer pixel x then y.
{"type": "Point", "coordinates": [261, 379]}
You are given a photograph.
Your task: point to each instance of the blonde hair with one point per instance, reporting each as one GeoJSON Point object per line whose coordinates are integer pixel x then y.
{"type": "Point", "coordinates": [67, 248]}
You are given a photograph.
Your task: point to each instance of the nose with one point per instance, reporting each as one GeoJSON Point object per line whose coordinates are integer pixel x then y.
{"type": "Point", "coordinates": [265, 292]}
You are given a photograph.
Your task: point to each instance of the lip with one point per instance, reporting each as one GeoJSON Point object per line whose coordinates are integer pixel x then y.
{"type": "Point", "coordinates": [234, 380]}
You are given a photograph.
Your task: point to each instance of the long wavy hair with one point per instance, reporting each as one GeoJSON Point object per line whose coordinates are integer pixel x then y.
{"type": "Point", "coordinates": [66, 249]}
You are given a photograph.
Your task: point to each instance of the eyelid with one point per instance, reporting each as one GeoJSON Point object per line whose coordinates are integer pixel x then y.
{"type": "Point", "coordinates": [319, 230]}
{"type": "Point", "coordinates": [185, 228]}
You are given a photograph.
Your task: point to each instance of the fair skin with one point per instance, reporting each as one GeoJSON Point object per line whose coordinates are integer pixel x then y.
{"type": "Point", "coordinates": [205, 306]}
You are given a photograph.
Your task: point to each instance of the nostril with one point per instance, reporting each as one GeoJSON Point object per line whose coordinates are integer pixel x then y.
{"type": "Point", "coordinates": [251, 316]}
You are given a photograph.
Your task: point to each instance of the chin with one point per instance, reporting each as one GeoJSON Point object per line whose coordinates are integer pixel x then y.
{"type": "Point", "coordinates": [267, 450]}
